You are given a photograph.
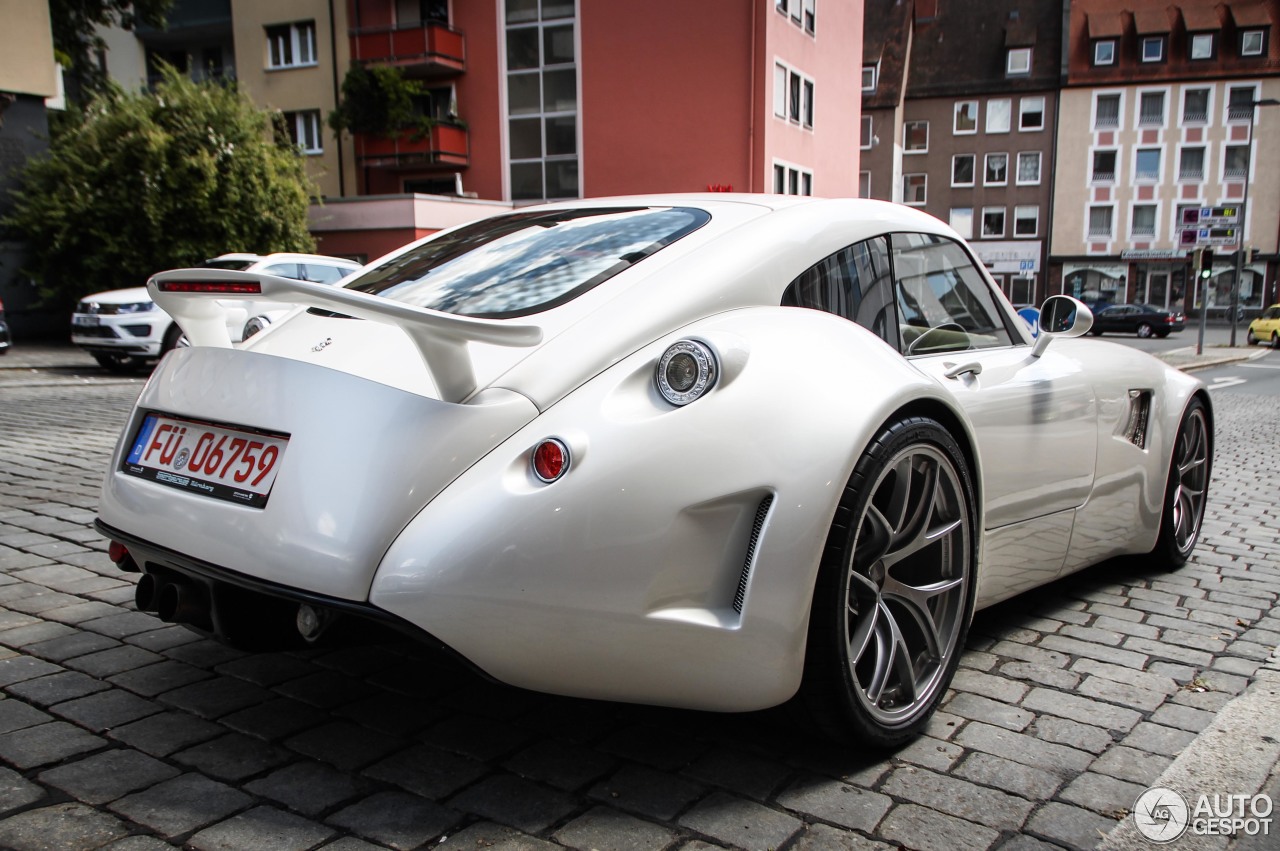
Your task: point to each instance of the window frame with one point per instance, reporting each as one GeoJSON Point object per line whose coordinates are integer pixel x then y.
{"type": "Point", "coordinates": [864, 184]}
{"type": "Point", "coordinates": [986, 169]}
{"type": "Point", "coordinates": [923, 185]}
{"type": "Point", "coordinates": [1261, 33]}
{"type": "Point", "coordinates": [1182, 157]}
{"type": "Point", "coordinates": [1023, 67]}
{"type": "Point", "coordinates": [1004, 221]}
{"type": "Point", "coordinates": [866, 138]}
{"type": "Point", "coordinates": [1023, 112]}
{"type": "Point", "coordinates": [951, 221]}
{"type": "Point", "coordinates": [300, 121]}
{"type": "Point", "coordinates": [1115, 165]}
{"type": "Point", "coordinates": [875, 77]}
{"type": "Point", "coordinates": [1147, 176]}
{"type": "Point", "coordinates": [1227, 155]}
{"type": "Point", "coordinates": [1098, 45]}
{"type": "Point", "coordinates": [1194, 38]}
{"type": "Point", "coordinates": [1007, 107]}
{"type": "Point", "coordinates": [1152, 40]}
{"type": "Point", "coordinates": [906, 125]}
{"type": "Point", "coordinates": [1134, 233]}
{"type": "Point", "coordinates": [1039, 155]}
{"type": "Point", "coordinates": [1197, 118]}
{"type": "Point", "coordinates": [1098, 99]}
{"type": "Point", "coordinates": [956, 111]}
{"type": "Point", "coordinates": [1035, 230]}
{"type": "Point", "coordinates": [1090, 233]}
{"type": "Point", "coordinates": [973, 169]}
{"type": "Point", "coordinates": [293, 32]}
{"type": "Point", "coordinates": [1143, 96]}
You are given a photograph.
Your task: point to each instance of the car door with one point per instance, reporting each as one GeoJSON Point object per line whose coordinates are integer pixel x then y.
{"type": "Point", "coordinates": [1035, 418]}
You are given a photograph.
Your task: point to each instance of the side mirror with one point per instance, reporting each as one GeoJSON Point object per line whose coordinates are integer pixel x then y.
{"type": "Point", "coordinates": [1061, 316]}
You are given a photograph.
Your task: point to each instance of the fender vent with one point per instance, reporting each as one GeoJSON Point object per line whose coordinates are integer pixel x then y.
{"type": "Point", "coordinates": [761, 513]}
{"type": "Point", "coordinates": [1135, 429]}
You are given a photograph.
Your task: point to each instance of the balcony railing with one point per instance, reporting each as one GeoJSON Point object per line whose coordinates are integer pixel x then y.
{"type": "Point", "coordinates": [1235, 173]}
{"type": "Point", "coordinates": [1198, 116]}
{"type": "Point", "coordinates": [443, 145]}
{"type": "Point", "coordinates": [1191, 174]}
{"type": "Point", "coordinates": [1104, 176]}
{"type": "Point", "coordinates": [430, 49]}
{"type": "Point", "coordinates": [1107, 121]}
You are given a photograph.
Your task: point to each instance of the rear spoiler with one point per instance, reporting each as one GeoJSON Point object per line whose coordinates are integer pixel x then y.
{"type": "Point", "coordinates": [191, 297]}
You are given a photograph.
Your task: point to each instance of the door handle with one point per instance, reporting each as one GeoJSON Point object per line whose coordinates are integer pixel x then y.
{"type": "Point", "coordinates": [971, 368]}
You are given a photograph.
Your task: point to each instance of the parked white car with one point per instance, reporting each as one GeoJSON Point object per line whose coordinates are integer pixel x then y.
{"type": "Point", "coordinates": [123, 329]}
{"type": "Point", "coordinates": [715, 452]}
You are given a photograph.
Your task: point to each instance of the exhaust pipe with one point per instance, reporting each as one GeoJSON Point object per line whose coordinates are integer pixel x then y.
{"type": "Point", "coordinates": [144, 594]}
{"type": "Point", "coordinates": [180, 602]}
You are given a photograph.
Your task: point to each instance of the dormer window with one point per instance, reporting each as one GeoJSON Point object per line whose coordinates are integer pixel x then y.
{"type": "Point", "coordinates": [1019, 62]}
{"type": "Point", "coordinates": [1202, 46]}
{"type": "Point", "coordinates": [1104, 52]}
{"type": "Point", "coordinates": [1153, 49]}
{"type": "Point", "coordinates": [870, 75]}
{"type": "Point", "coordinates": [1253, 42]}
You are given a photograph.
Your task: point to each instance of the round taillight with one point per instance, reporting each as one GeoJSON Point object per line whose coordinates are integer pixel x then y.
{"type": "Point", "coordinates": [686, 370]}
{"type": "Point", "coordinates": [550, 459]}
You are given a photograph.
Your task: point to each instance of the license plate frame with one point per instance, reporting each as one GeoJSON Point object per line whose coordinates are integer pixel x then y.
{"type": "Point", "coordinates": [233, 463]}
{"type": "Point", "coordinates": [86, 321]}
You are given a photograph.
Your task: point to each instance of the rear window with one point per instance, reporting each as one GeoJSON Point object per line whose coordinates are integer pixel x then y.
{"type": "Point", "coordinates": [233, 265]}
{"type": "Point", "coordinates": [524, 263]}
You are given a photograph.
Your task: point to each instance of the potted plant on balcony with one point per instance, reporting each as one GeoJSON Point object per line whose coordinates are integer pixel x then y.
{"type": "Point", "coordinates": [380, 101]}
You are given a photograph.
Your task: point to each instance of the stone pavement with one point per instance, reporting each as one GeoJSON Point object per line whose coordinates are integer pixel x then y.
{"type": "Point", "coordinates": [117, 731]}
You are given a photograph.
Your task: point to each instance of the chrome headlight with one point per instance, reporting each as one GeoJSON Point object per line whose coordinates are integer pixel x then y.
{"type": "Point", "coordinates": [686, 371]}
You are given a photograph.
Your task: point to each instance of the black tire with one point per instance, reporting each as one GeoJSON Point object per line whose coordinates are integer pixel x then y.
{"type": "Point", "coordinates": [1275, 339]}
{"type": "Point", "coordinates": [1097, 332]}
{"type": "Point", "coordinates": [895, 590]}
{"type": "Point", "coordinates": [1144, 330]}
{"type": "Point", "coordinates": [1186, 489]}
{"type": "Point", "coordinates": [118, 363]}
{"type": "Point", "coordinates": [1249, 338]}
{"type": "Point", "coordinates": [171, 338]}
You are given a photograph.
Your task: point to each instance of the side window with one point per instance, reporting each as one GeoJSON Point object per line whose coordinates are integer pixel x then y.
{"type": "Point", "coordinates": [944, 301]}
{"type": "Point", "coordinates": [855, 283]}
{"type": "Point", "coordinates": [321, 274]}
{"type": "Point", "coordinates": [284, 270]}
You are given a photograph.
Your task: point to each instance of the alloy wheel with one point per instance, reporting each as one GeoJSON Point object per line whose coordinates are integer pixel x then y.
{"type": "Point", "coordinates": [1190, 486]}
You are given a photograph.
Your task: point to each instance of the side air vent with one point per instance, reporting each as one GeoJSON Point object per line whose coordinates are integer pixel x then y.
{"type": "Point", "coordinates": [1135, 428]}
{"type": "Point", "coordinates": [762, 512]}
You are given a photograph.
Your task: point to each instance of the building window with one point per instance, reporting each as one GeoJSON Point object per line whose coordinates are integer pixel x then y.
{"type": "Point", "coordinates": [1104, 167]}
{"type": "Point", "coordinates": [992, 222]}
{"type": "Point", "coordinates": [291, 45]}
{"type": "Point", "coordinates": [1202, 46]}
{"type": "Point", "coordinates": [866, 137]}
{"type": "Point", "coordinates": [304, 130]}
{"type": "Point", "coordinates": [1151, 109]}
{"type": "Point", "coordinates": [1019, 62]}
{"type": "Point", "coordinates": [1029, 168]}
{"type": "Point", "coordinates": [998, 115]}
{"type": "Point", "coordinates": [790, 180]}
{"type": "Point", "coordinates": [961, 221]}
{"type": "Point", "coordinates": [915, 188]}
{"type": "Point", "coordinates": [1031, 114]}
{"type": "Point", "coordinates": [1153, 48]}
{"type": "Point", "coordinates": [915, 136]}
{"type": "Point", "coordinates": [1100, 221]}
{"type": "Point", "coordinates": [996, 170]}
{"type": "Point", "coordinates": [1253, 42]}
{"type": "Point", "coordinates": [1026, 220]}
{"type": "Point", "coordinates": [780, 90]}
{"type": "Point", "coordinates": [542, 129]}
{"type": "Point", "coordinates": [1104, 52]}
{"type": "Point", "coordinates": [793, 96]}
{"type": "Point", "coordinates": [1106, 111]}
{"type": "Point", "coordinates": [1191, 164]}
{"type": "Point", "coordinates": [1195, 106]}
{"type": "Point", "coordinates": [807, 108]}
{"type": "Point", "coordinates": [1143, 223]}
{"type": "Point", "coordinates": [1146, 164]}
{"type": "Point", "coordinates": [1235, 162]}
{"type": "Point", "coordinates": [779, 179]}
{"type": "Point", "coordinates": [966, 117]}
{"type": "Point", "coordinates": [962, 168]}
{"type": "Point", "coordinates": [864, 184]}
{"type": "Point", "coordinates": [1240, 102]}
{"type": "Point", "coordinates": [870, 76]}
{"type": "Point", "coordinates": [810, 17]}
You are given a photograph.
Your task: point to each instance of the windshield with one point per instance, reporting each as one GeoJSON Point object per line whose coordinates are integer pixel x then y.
{"type": "Point", "coordinates": [525, 263]}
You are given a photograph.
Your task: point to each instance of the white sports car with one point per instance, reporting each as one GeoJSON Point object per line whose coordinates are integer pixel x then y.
{"type": "Point", "coordinates": [718, 452]}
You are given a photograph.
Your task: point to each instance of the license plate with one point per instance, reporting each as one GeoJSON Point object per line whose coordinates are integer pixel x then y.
{"type": "Point", "coordinates": [86, 321]}
{"type": "Point", "coordinates": [224, 462]}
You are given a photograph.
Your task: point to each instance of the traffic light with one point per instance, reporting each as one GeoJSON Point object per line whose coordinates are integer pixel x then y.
{"type": "Point", "coordinates": [1205, 269]}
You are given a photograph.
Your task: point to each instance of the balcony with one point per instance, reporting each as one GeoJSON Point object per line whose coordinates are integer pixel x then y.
{"type": "Point", "coordinates": [444, 145]}
{"type": "Point", "coordinates": [420, 50]}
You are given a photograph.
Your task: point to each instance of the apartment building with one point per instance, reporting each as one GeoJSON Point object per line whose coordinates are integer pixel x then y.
{"type": "Point", "coordinates": [28, 78]}
{"type": "Point", "coordinates": [1158, 122]}
{"type": "Point", "coordinates": [532, 100]}
{"type": "Point", "coordinates": [959, 120]}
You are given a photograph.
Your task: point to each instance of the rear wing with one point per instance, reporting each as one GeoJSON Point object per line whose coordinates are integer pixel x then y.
{"type": "Point", "coordinates": [191, 297]}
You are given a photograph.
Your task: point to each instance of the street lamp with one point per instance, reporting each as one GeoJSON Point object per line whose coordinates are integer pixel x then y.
{"type": "Point", "coordinates": [1244, 216]}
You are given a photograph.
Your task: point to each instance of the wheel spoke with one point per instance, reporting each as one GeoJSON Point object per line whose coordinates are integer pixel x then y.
{"type": "Point", "coordinates": [874, 540]}
{"type": "Point", "coordinates": [926, 538]}
{"type": "Point", "coordinates": [864, 630]}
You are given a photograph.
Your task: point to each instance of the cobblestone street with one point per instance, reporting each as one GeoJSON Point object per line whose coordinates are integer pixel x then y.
{"type": "Point", "coordinates": [118, 731]}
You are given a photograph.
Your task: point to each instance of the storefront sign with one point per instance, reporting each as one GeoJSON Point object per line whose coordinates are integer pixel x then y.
{"type": "Point", "coordinates": [1009, 257]}
{"type": "Point", "coordinates": [1153, 254]}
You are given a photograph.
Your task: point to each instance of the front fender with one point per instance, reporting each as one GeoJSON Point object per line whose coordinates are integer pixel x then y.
{"type": "Point", "coordinates": [674, 562]}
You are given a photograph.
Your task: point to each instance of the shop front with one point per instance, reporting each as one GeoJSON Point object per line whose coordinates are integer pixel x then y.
{"type": "Point", "coordinates": [1096, 281]}
{"type": "Point", "coordinates": [1015, 267]}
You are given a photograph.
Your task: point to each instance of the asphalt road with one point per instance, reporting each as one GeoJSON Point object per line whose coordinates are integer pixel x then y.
{"type": "Point", "coordinates": [118, 731]}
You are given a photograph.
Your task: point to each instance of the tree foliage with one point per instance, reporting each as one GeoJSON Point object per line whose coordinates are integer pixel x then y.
{"type": "Point", "coordinates": [75, 31]}
{"type": "Point", "coordinates": [379, 100]}
{"type": "Point", "coordinates": [158, 180]}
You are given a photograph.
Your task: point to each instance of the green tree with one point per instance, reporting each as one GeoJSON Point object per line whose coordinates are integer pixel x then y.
{"type": "Point", "coordinates": [158, 180]}
{"type": "Point", "coordinates": [380, 101]}
{"type": "Point", "coordinates": [75, 32]}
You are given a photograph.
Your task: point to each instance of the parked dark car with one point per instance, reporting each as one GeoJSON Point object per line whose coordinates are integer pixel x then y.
{"type": "Point", "coordinates": [4, 332]}
{"type": "Point", "coordinates": [1144, 320]}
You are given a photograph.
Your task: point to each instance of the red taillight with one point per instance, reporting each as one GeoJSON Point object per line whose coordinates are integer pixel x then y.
{"type": "Point", "coordinates": [116, 552]}
{"type": "Point", "coordinates": [216, 287]}
{"type": "Point", "coordinates": [550, 460]}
